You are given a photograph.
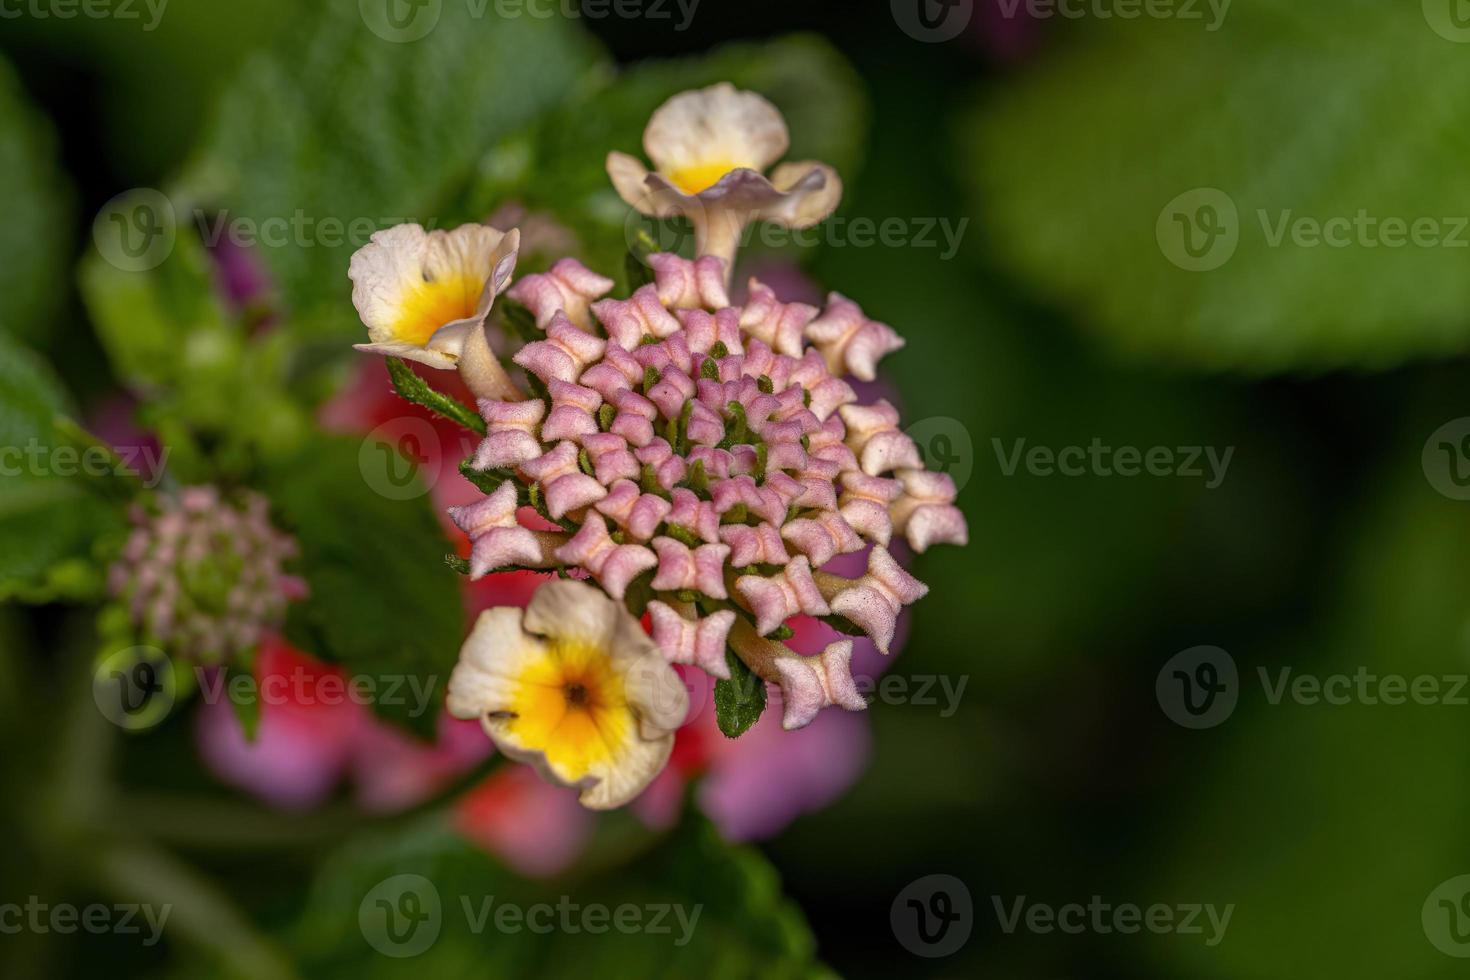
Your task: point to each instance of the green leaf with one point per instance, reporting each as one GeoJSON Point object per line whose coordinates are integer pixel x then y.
{"type": "Point", "coordinates": [739, 701]}
{"type": "Point", "coordinates": [148, 319]}
{"type": "Point", "coordinates": [383, 603]}
{"type": "Point", "coordinates": [337, 132]}
{"type": "Point", "coordinates": [36, 234]}
{"type": "Point", "coordinates": [1355, 810]}
{"type": "Point", "coordinates": [1090, 169]}
{"type": "Point", "coordinates": [48, 519]}
{"type": "Point", "coordinates": [415, 389]}
{"type": "Point", "coordinates": [563, 169]}
{"type": "Point", "coordinates": [722, 914]}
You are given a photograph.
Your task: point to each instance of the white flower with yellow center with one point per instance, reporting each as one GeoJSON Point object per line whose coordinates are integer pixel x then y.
{"type": "Point", "coordinates": [575, 688]}
{"type": "Point", "coordinates": [710, 150]}
{"type": "Point", "coordinates": [424, 296]}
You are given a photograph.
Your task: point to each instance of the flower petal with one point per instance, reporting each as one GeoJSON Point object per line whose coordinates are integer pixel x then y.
{"type": "Point", "coordinates": [698, 136]}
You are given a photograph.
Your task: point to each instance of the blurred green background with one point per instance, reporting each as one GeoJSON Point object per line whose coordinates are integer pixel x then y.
{"type": "Point", "coordinates": [1333, 543]}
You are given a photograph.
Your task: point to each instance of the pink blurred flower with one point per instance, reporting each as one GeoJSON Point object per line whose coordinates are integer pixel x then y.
{"type": "Point", "coordinates": [240, 272]}
{"type": "Point", "coordinates": [754, 786]}
{"type": "Point", "coordinates": [305, 751]}
{"type": "Point", "coordinates": [312, 738]}
{"type": "Point", "coordinates": [534, 827]}
{"type": "Point", "coordinates": [368, 404]}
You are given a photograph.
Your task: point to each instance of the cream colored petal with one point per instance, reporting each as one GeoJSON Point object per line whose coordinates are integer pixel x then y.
{"type": "Point", "coordinates": [715, 126]}
{"type": "Point", "coordinates": [570, 610]}
{"type": "Point", "coordinates": [810, 192]}
{"type": "Point", "coordinates": [383, 272]}
{"type": "Point", "coordinates": [628, 773]}
{"type": "Point", "coordinates": [409, 285]}
{"type": "Point", "coordinates": [450, 338]}
{"type": "Point", "coordinates": [412, 352]}
{"type": "Point", "coordinates": [468, 248]}
{"type": "Point", "coordinates": [628, 176]}
{"type": "Point", "coordinates": [491, 663]}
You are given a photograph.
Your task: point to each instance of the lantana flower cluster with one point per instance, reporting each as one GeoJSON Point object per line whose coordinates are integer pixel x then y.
{"type": "Point", "coordinates": [203, 573]}
{"type": "Point", "coordinates": [671, 453]}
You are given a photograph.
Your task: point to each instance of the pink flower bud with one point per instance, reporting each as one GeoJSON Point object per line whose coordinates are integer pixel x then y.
{"type": "Point", "coordinates": [776, 599]}
{"type": "Point", "coordinates": [612, 564]}
{"type": "Point", "coordinates": [700, 569]}
{"type": "Point", "coordinates": [569, 287]}
{"type": "Point", "coordinates": [700, 642]}
{"type": "Point", "coordinates": [564, 354]}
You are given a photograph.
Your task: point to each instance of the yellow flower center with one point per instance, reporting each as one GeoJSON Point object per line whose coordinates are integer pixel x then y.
{"type": "Point", "coordinates": [432, 304]}
{"type": "Point", "coordinates": [571, 704]}
{"type": "Point", "coordinates": [692, 180]}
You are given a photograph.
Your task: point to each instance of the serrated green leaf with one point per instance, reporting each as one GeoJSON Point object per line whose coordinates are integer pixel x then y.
{"type": "Point", "coordinates": [147, 319]}
{"type": "Point", "coordinates": [383, 603]}
{"type": "Point", "coordinates": [1091, 168]}
{"type": "Point", "coordinates": [336, 132]}
{"type": "Point", "coordinates": [47, 516]}
{"type": "Point", "coordinates": [36, 233]}
{"type": "Point", "coordinates": [739, 701]}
